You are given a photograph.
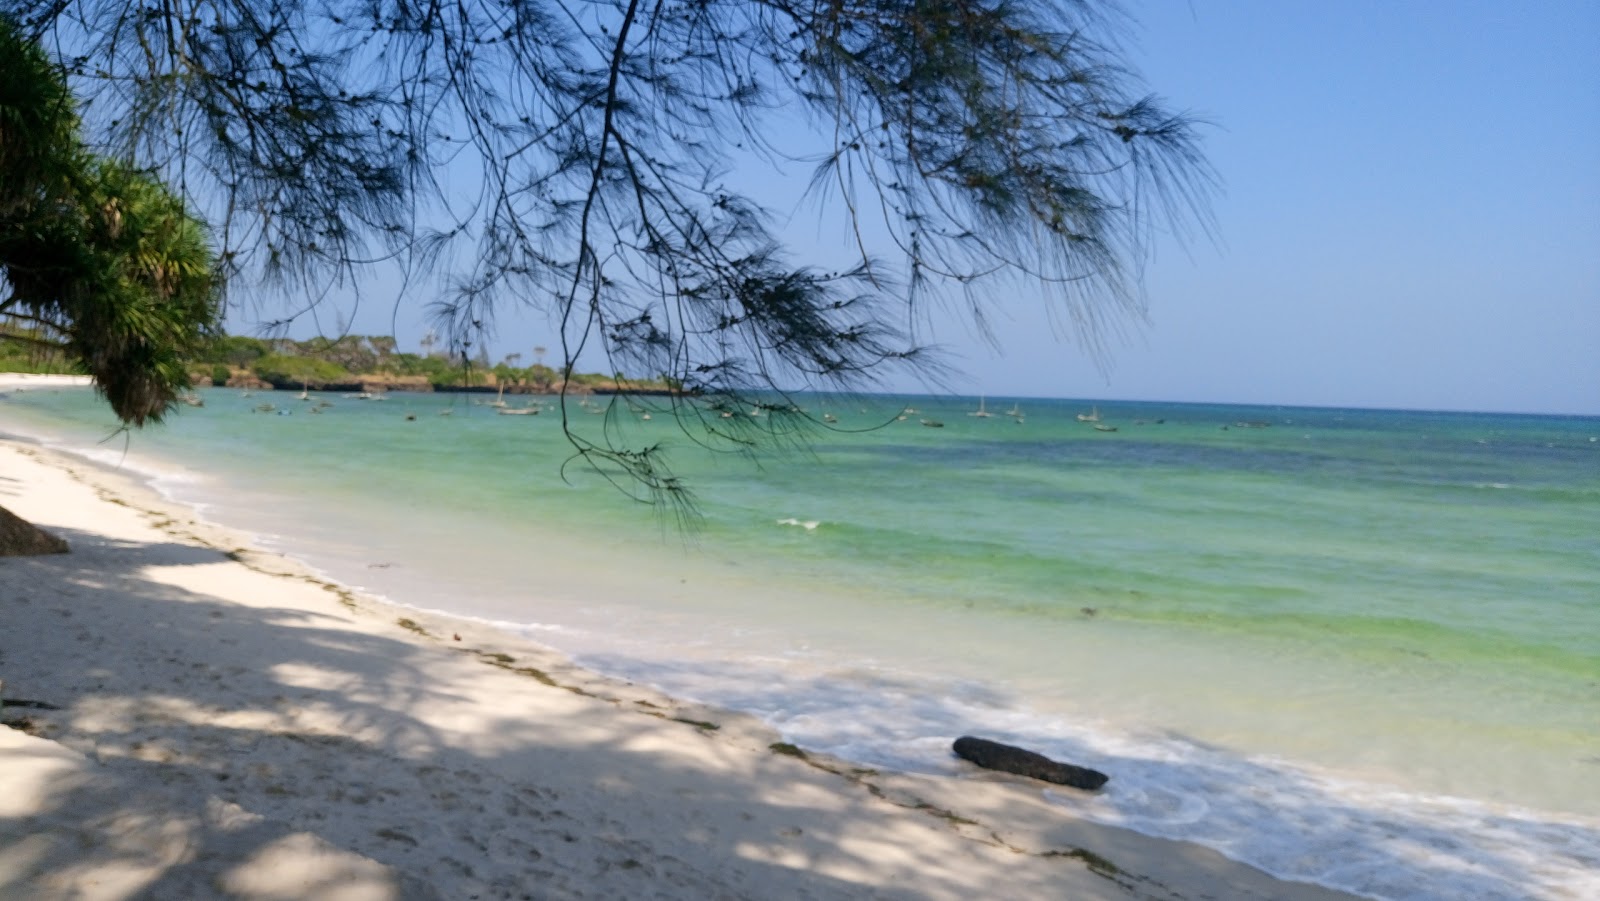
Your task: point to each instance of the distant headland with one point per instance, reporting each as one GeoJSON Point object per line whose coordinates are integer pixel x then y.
{"type": "Point", "coordinates": [368, 363]}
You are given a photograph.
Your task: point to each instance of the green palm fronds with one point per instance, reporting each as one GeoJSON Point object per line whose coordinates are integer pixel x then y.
{"type": "Point", "coordinates": [101, 259]}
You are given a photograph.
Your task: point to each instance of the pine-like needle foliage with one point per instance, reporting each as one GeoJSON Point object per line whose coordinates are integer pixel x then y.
{"type": "Point", "coordinates": [980, 145]}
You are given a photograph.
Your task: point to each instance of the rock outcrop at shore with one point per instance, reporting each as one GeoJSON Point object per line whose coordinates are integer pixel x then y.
{"type": "Point", "coordinates": [993, 755]}
{"type": "Point", "coordinates": [20, 538]}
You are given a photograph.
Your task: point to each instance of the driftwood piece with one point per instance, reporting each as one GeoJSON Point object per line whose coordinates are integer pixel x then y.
{"type": "Point", "coordinates": [993, 755]}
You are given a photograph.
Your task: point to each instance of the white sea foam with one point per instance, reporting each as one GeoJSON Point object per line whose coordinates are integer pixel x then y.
{"type": "Point", "coordinates": [164, 477]}
{"type": "Point", "coordinates": [1291, 821]}
{"type": "Point", "coordinates": [809, 525]}
{"type": "Point", "coordinates": [1298, 824]}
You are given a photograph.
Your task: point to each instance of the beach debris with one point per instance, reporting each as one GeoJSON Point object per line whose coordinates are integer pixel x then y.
{"type": "Point", "coordinates": [30, 704]}
{"type": "Point", "coordinates": [992, 755]}
{"type": "Point", "coordinates": [20, 538]}
{"type": "Point", "coordinates": [22, 723]}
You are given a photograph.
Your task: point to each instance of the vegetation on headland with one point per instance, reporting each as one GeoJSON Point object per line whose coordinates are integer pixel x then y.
{"type": "Point", "coordinates": [353, 362]}
{"type": "Point", "coordinates": [375, 362]}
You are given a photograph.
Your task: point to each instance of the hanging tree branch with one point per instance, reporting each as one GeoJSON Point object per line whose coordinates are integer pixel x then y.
{"type": "Point", "coordinates": [983, 145]}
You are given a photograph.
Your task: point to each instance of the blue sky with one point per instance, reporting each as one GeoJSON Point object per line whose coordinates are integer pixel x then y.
{"type": "Point", "coordinates": [1410, 217]}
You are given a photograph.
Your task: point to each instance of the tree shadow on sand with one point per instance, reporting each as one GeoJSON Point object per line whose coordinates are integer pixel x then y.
{"type": "Point", "coordinates": [243, 731]}
{"type": "Point", "coordinates": [222, 738]}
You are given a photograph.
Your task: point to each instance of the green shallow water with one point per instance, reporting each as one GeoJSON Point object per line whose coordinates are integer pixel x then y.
{"type": "Point", "coordinates": [1465, 537]}
{"type": "Point", "coordinates": [1409, 600]}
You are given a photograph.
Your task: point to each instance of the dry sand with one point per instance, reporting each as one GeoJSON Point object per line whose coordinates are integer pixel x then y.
{"type": "Point", "coordinates": [224, 724]}
{"type": "Point", "coordinates": [22, 381]}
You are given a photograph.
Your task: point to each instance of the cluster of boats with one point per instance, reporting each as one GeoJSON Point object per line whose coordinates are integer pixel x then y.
{"type": "Point", "coordinates": [1091, 418]}
{"type": "Point", "coordinates": [505, 409]}
{"type": "Point", "coordinates": [324, 404]}
{"type": "Point", "coordinates": [983, 412]}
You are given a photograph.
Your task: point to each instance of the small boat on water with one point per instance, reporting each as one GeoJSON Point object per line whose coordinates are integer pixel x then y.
{"type": "Point", "coordinates": [933, 423]}
{"type": "Point", "coordinates": [521, 411]}
{"type": "Point", "coordinates": [1102, 427]}
{"type": "Point", "coordinates": [981, 413]}
{"type": "Point", "coordinates": [1092, 416]}
{"type": "Point", "coordinates": [192, 399]}
{"type": "Point", "coordinates": [499, 399]}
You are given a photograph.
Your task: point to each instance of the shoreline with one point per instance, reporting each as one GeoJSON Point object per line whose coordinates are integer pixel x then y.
{"type": "Point", "coordinates": [370, 735]}
{"type": "Point", "coordinates": [10, 381]}
{"type": "Point", "coordinates": [21, 381]}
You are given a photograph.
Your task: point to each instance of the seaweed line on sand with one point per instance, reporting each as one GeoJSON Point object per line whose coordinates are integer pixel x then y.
{"type": "Point", "coordinates": [861, 776]}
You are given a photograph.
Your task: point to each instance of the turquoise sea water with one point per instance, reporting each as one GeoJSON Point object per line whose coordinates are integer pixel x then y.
{"type": "Point", "coordinates": [1360, 648]}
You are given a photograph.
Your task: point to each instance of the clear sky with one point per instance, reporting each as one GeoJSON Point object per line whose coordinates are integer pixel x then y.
{"type": "Point", "coordinates": [1410, 217]}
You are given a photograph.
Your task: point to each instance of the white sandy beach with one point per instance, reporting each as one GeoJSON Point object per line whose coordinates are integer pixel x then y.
{"type": "Point", "coordinates": [224, 724]}
{"type": "Point", "coordinates": [22, 381]}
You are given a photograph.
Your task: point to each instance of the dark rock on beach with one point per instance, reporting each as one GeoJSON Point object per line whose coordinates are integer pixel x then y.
{"type": "Point", "coordinates": [992, 755]}
{"type": "Point", "coordinates": [20, 538]}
